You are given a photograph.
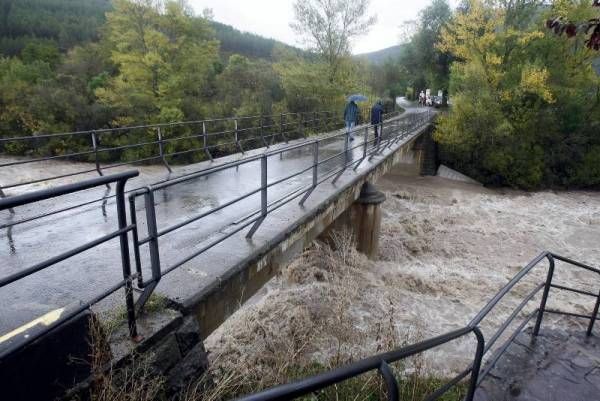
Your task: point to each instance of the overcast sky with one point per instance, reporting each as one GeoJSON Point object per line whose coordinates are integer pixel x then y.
{"type": "Point", "coordinates": [271, 18]}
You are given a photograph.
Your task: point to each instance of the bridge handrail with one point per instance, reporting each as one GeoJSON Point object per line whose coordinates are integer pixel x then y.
{"type": "Point", "coordinates": [121, 232]}
{"type": "Point", "coordinates": [171, 124]}
{"type": "Point", "coordinates": [391, 133]}
{"type": "Point", "coordinates": [305, 121]}
{"type": "Point", "coordinates": [381, 362]}
{"type": "Point", "coordinates": [161, 156]}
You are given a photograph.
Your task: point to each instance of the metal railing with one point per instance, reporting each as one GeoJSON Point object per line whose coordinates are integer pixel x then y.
{"type": "Point", "coordinates": [391, 133]}
{"type": "Point", "coordinates": [116, 147]}
{"type": "Point", "coordinates": [237, 135]}
{"type": "Point", "coordinates": [121, 233]}
{"type": "Point", "coordinates": [381, 363]}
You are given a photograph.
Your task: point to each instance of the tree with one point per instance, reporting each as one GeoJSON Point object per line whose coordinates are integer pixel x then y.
{"type": "Point", "coordinates": [249, 87]}
{"type": "Point", "coordinates": [163, 55]}
{"type": "Point", "coordinates": [307, 85]}
{"type": "Point", "coordinates": [427, 65]}
{"type": "Point", "coordinates": [526, 105]}
{"type": "Point", "coordinates": [329, 26]}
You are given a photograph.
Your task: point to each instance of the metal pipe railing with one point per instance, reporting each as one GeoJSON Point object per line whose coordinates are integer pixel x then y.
{"type": "Point", "coordinates": [257, 217]}
{"type": "Point", "coordinates": [158, 131]}
{"type": "Point", "coordinates": [319, 382]}
{"type": "Point", "coordinates": [391, 133]}
{"type": "Point", "coordinates": [121, 233]}
{"type": "Point", "coordinates": [154, 234]}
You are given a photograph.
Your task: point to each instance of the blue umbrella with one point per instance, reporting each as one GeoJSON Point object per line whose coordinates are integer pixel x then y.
{"type": "Point", "coordinates": [357, 98]}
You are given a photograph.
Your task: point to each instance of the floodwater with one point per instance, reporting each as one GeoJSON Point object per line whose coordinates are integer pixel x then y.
{"type": "Point", "coordinates": [446, 248]}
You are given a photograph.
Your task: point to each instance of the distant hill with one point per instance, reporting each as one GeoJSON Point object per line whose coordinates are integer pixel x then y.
{"type": "Point", "coordinates": [247, 44]}
{"type": "Point", "coordinates": [381, 56]}
{"type": "Point", "coordinates": [64, 23]}
{"type": "Point", "coordinates": [67, 23]}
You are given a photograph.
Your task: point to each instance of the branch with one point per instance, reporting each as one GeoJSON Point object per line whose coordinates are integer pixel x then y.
{"type": "Point", "coordinates": [571, 29]}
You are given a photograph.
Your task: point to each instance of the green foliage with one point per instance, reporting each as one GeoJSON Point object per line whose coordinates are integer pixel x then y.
{"type": "Point", "coordinates": [127, 62]}
{"type": "Point", "coordinates": [44, 51]}
{"type": "Point", "coordinates": [526, 103]}
{"type": "Point", "coordinates": [163, 58]}
{"type": "Point", "coordinates": [65, 23]}
{"type": "Point", "coordinates": [234, 41]}
{"type": "Point", "coordinates": [308, 85]}
{"type": "Point", "coordinates": [427, 66]}
{"type": "Point", "coordinates": [249, 87]}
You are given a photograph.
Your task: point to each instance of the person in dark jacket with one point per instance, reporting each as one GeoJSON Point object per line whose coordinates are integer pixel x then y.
{"type": "Point", "coordinates": [351, 117]}
{"type": "Point", "coordinates": [377, 119]}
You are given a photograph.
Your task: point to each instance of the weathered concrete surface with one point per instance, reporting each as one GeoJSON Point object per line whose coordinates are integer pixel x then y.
{"type": "Point", "coordinates": [171, 348]}
{"type": "Point", "coordinates": [557, 366]}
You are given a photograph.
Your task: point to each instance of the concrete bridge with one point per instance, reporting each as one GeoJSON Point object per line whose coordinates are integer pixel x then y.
{"type": "Point", "coordinates": [209, 265]}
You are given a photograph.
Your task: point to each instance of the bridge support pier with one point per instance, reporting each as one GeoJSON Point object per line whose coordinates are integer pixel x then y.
{"type": "Point", "coordinates": [366, 219]}
{"type": "Point", "coordinates": [363, 220]}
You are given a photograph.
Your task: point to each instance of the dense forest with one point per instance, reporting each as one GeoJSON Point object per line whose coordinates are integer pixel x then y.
{"type": "Point", "coordinates": [525, 101]}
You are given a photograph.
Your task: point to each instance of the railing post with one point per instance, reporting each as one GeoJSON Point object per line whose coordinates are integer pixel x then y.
{"type": "Point", "coordinates": [205, 141]}
{"type": "Point", "coordinates": [593, 317]}
{"type": "Point", "coordinates": [347, 148]}
{"type": "Point", "coordinates": [391, 136]}
{"type": "Point", "coordinates": [393, 393]}
{"type": "Point", "coordinates": [262, 136]}
{"type": "Point", "coordinates": [161, 149]}
{"type": "Point", "coordinates": [152, 234]}
{"type": "Point", "coordinates": [365, 146]}
{"type": "Point", "coordinates": [346, 157]}
{"type": "Point", "coordinates": [96, 159]}
{"type": "Point", "coordinates": [237, 138]}
{"type": "Point", "coordinates": [547, 284]}
{"type": "Point", "coordinates": [282, 127]}
{"type": "Point", "coordinates": [263, 196]}
{"type": "Point", "coordinates": [315, 172]}
{"type": "Point", "coordinates": [124, 244]}
{"type": "Point", "coordinates": [135, 241]}
{"type": "Point", "coordinates": [476, 364]}
{"type": "Point", "coordinates": [301, 131]}
{"type": "Point", "coordinates": [154, 250]}
{"type": "Point", "coordinates": [380, 138]}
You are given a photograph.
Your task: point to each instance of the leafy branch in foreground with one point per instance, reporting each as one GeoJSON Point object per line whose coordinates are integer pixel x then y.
{"type": "Point", "coordinates": [591, 27]}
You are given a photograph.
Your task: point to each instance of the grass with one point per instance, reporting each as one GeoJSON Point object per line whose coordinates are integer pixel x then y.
{"type": "Point", "coordinates": [118, 317]}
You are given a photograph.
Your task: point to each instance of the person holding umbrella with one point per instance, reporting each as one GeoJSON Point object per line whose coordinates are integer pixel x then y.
{"type": "Point", "coordinates": [351, 113]}
{"type": "Point", "coordinates": [377, 119]}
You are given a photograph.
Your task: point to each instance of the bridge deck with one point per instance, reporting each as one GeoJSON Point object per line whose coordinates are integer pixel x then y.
{"type": "Point", "coordinates": [558, 366]}
{"type": "Point", "coordinates": [81, 276]}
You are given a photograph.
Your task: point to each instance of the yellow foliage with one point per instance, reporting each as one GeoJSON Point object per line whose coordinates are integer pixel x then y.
{"type": "Point", "coordinates": [528, 37]}
{"type": "Point", "coordinates": [535, 80]}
